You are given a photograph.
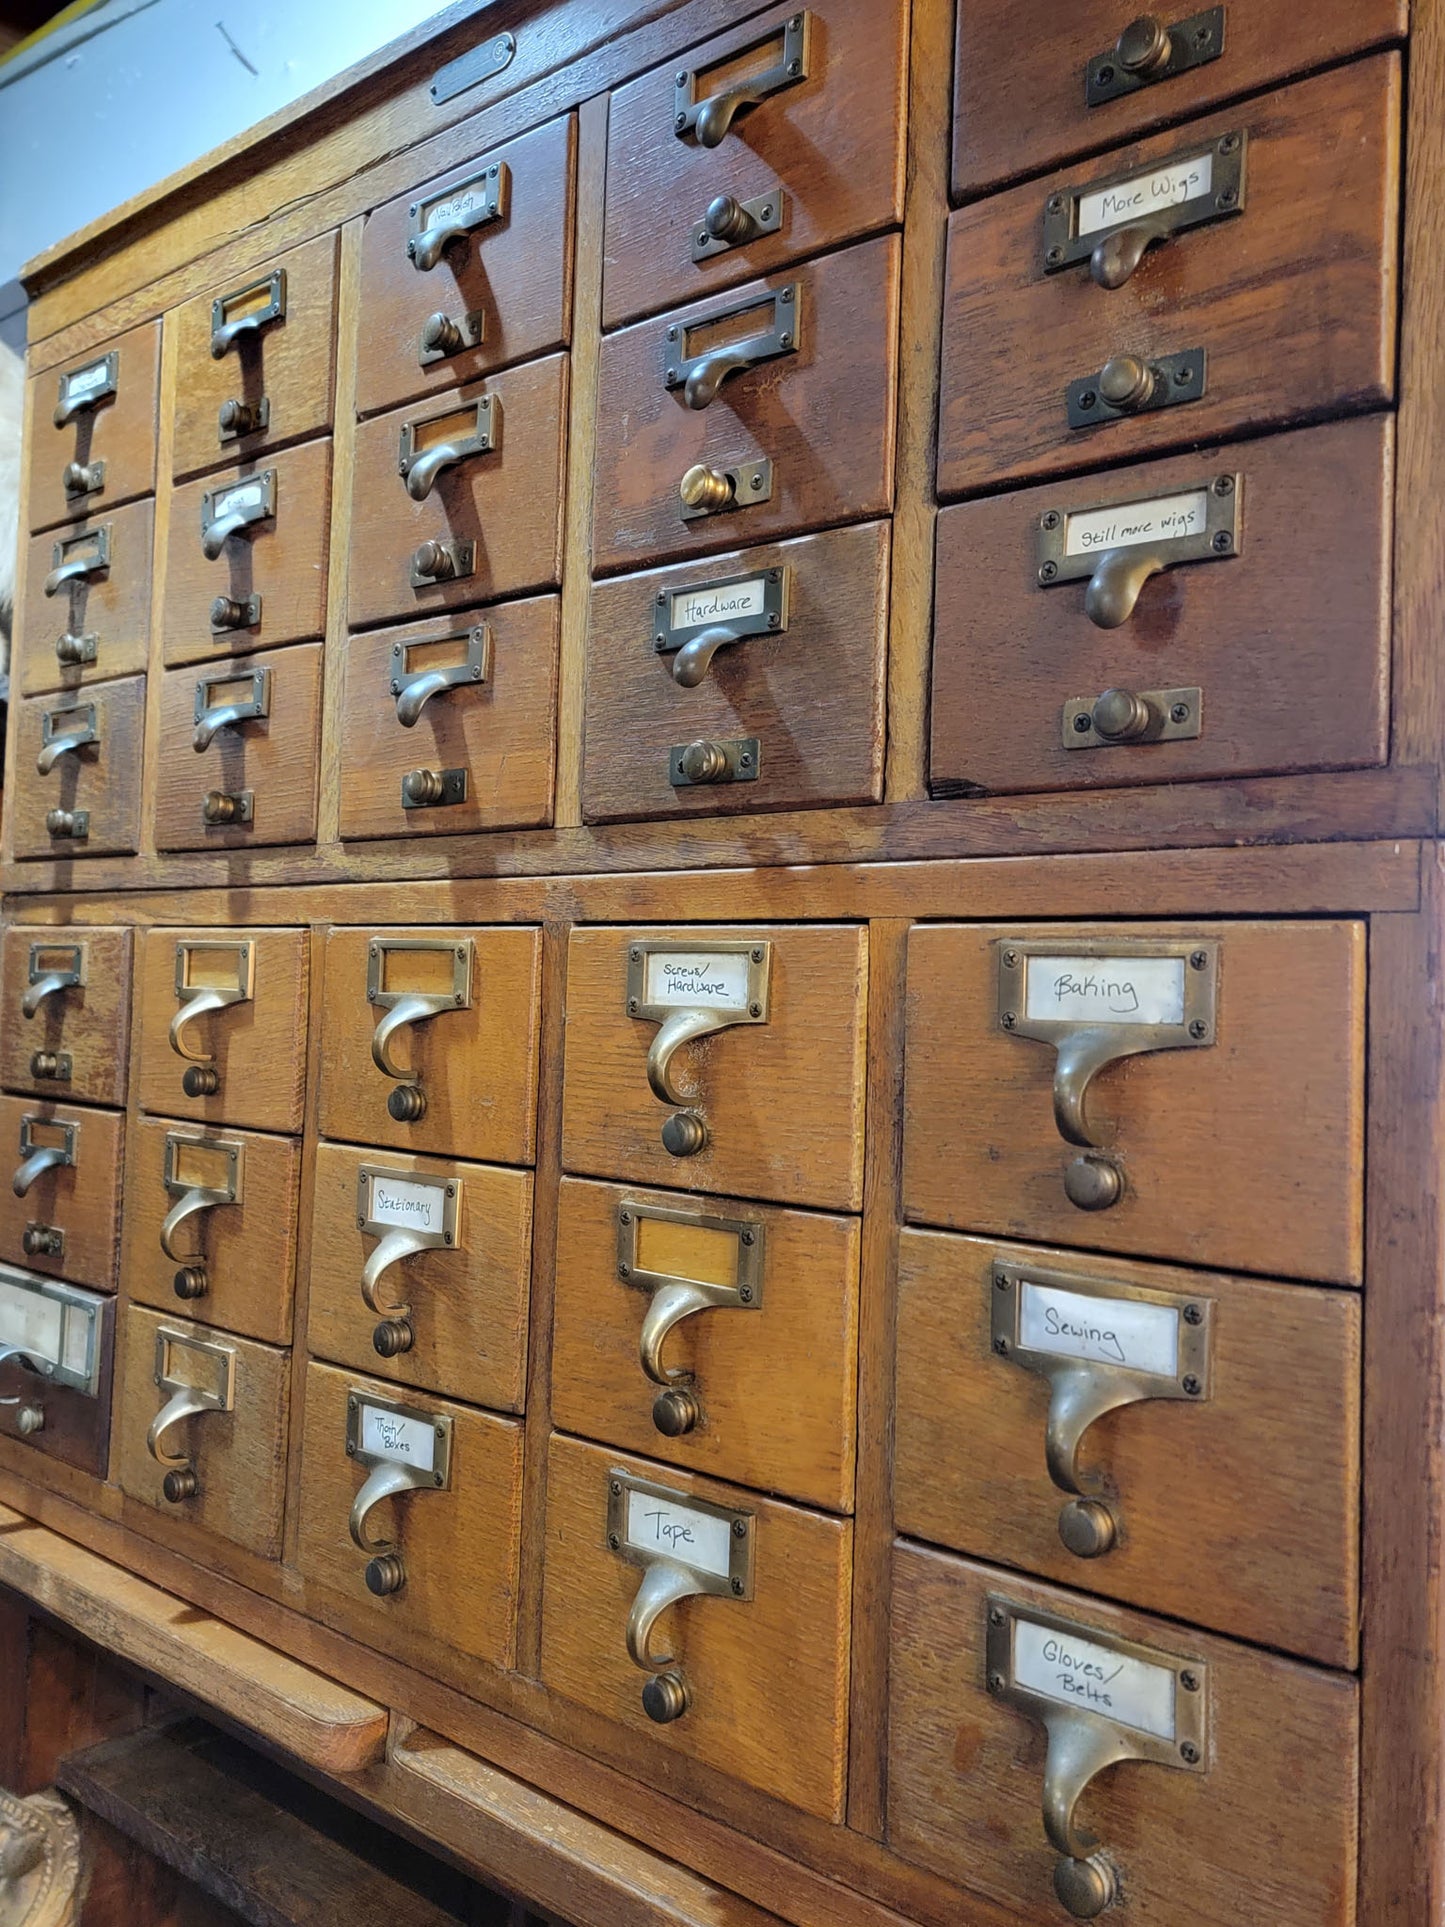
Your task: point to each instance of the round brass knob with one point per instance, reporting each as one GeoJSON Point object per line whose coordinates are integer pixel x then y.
{"type": "Point", "coordinates": [201, 1080]}
{"type": "Point", "coordinates": [665, 1698]}
{"type": "Point", "coordinates": [703, 763]}
{"type": "Point", "coordinates": [217, 807]}
{"type": "Point", "coordinates": [78, 478]}
{"type": "Point", "coordinates": [675, 1411]}
{"type": "Point", "coordinates": [1085, 1887]}
{"type": "Point", "coordinates": [238, 418]}
{"type": "Point", "coordinates": [190, 1282]}
{"type": "Point", "coordinates": [227, 613]}
{"type": "Point", "coordinates": [432, 560]}
{"type": "Point", "coordinates": [423, 786]}
{"type": "Point", "coordinates": [728, 220]}
{"type": "Point", "coordinates": [1119, 716]}
{"type": "Point", "coordinates": [69, 649]}
{"type": "Point", "coordinates": [407, 1103]}
{"type": "Point", "coordinates": [179, 1485]}
{"type": "Point", "coordinates": [29, 1420]}
{"type": "Point", "coordinates": [40, 1241]}
{"type": "Point", "coordinates": [1087, 1528]}
{"type": "Point", "coordinates": [391, 1337]}
{"type": "Point", "coordinates": [1127, 383]}
{"type": "Point", "coordinates": [440, 335]}
{"type": "Point", "coordinates": [1144, 46]}
{"type": "Point", "coordinates": [684, 1134]}
{"type": "Point", "coordinates": [60, 822]}
{"type": "Point", "coordinates": [1093, 1184]}
{"type": "Point", "coordinates": [385, 1574]}
{"type": "Point", "coordinates": [44, 1064]}
{"type": "Point", "coordinates": [705, 488]}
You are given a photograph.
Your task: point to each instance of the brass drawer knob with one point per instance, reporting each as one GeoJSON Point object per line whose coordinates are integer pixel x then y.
{"type": "Point", "coordinates": [1144, 47]}
{"type": "Point", "coordinates": [385, 1575]}
{"type": "Point", "coordinates": [1085, 1887]}
{"type": "Point", "coordinates": [201, 1080]}
{"type": "Point", "coordinates": [407, 1104]}
{"type": "Point", "coordinates": [1119, 716]}
{"type": "Point", "coordinates": [684, 1134]}
{"type": "Point", "coordinates": [71, 823]}
{"type": "Point", "coordinates": [74, 649]}
{"type": "Point", "coordinates": [423, 786]}
{"type": "Point", "coordinates": [705, 488]}
{"type": "Point", "coordinates": [218, 808]}
{"type": "Point", "coordinates": [228, 613]}
{"type": "Point", "coordinates": [392, 1337]}
{"type": "Point", "coordinates": [676, 1412]}
{"type": "Point", "coordinates": [728, 220]}
{"type": "Point", "coordinates": [1127, 382]}
{"type": "Point", "coordinates": [1093, 1184]}
{"type": "Point", "coordinates": [440, 335]}
{"type": "Point", "coordinates": [665, 1698]}
{"type": "Point", "coordinates": [1087, 1528]}
{"type": "Point", "coordinates": [82, 478]}
{"type": "Point", "coordinates": [179, 1485]}
{"type": "Point", "coordinates": [29, 1420]}
{"type": "Point", "coordinates": [434, 560]}
{"type": "Point", "coordinates": [703, 762]}
{"type": "Point", "coordinates": [236, 417]}
{"type": "Point", "coordinates": [42, 1241]}
{"type": "Point", "coordinates": [49, 1064]}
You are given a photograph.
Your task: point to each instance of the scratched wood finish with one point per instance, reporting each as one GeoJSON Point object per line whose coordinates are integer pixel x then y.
{"type": "Point", "coordinates": [289, 363]}
{"type": "Point", "coordinates": [89, 1022]}
{"type": "Point", "coordinates": [246, 1251]}
{"type": "Point", "coordinates": [1210, 1176]}
{"type": "Point", "coordinates": [1267, 1832]}
{"type": "Point", "coordinates": [813, 694]}
{"type": "Point", "coordinates": [120, 431]}
{"type": "Point", "coordinates": [1292, 300]}
{"type": "Point", "coordinates": [102, 778]}
{"type": "Point", "coordinates": [76, 1431]}
{"type": "Point", "coordinates": [80, 1199]}
{"type": "Point", "coordinates": [823, 414]}
{"type": "Point", "coordinates": [768, 1675]}
{"type": "Point", "coordinates": [1275, 1521]}
{"type": "Point", "coordinates": [113, 606]}
{"type": "Point", "coordinates": [831, 142]}
{"type": "Point", "coordinates": [1288, 640]}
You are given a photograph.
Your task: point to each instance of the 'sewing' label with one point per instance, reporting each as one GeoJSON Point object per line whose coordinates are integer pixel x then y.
{"type": "Point", "coordinates": [1101, 1331]}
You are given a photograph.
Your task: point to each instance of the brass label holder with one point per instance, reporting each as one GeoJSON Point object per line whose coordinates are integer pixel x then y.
{"type": "Point", "coordinates": [406, 1212]}
{"type": "Point", "coordinates": [66, 1350]}
{"type": "Point", "coordinates": [51, 969]}
{"type": "Point", "coordinates": [226, 511]}
{"type": "Point", "coordinates": [77, 556]}
{"type": "Point", "coordinates": [414, 688]}
{"type": "Point", "coordinates": [420, 467]}
{"type": "Point", "coordinates": [226, 331]}
{"type": "Point", "coordinates": [454, 214]}
{"type": "Point", "coordinates": [403, 1007]}
{"type": "Point", "coordinates": [694, 621]}
{"type": "Point", "coordinates": [193, 1198]}
{"type": "Point", "coordinates": [690, 990]}
{"type": "Point", "coordinates": [65, 731]}
{"type": "Point", "coordinates": [87, 387]}
{"type": "Point", "coordinates": [1147, 52]}
{"type": "Point", "coordinates": [187, 1399]}
{"type": "Point", "coordinates": [210, 720]}
{"type": "Point", "coordinates": [197, 1000]}
{"type": "Point", "coordinates": [701, 376]}
{"type": "Point", "coordinates": [708, 119]}
{"type": "Point", "coordinates": [1118, 546]}
{"type": "Point", "coordinates": [1111, 223]}
{"type": "Point", "coordinates": [37, 1157]}
{"type": "Point", "coordinates": [401, 1448]}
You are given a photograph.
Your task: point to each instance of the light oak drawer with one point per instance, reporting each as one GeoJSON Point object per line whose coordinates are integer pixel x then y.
{"type": "Point", "coordinates": [794, 121]}
{"type": "Point", "coordinates": [210, 1225]}
{"type": "Point", "coordinates": [776, 654]}
{"type": "Point", "coordinates": [429, 1041]}
{"type": "Point", "coordinates": [1235, 1450]}
{"type": "Point", "coordinates": [62, 1409]}
{"type": "Point", "coordinates": [223, 1026]}
{"type": "Point", "coordinates": [203, 1427]}
{"type": "Point", "coordinates": [93, 429]}
{"type": "Point", "coordinates": [88, 601]}
{"type": "Point", "coordinates": [1245, 1813]}
{"type": "Point", "coordinates": [60, 1214]}
{"type": "Point", "coordinates": [480, 753]}
{"type": "Point", "coordinates": [444, 1250]}
{"type": "Point", "coordinates": [256, 359]}
{"type": "Point", "coordinates": [756, 1634]}
{"type": "Point", "coordinates": [1239, 1144]}
{"type": "Point", "coordinates": [470, 271]}
{"type": "Point", "coordinates": [239, 748]}
{"type": "Point", "coordinates": [65, 1012]}
{"type": "Point", "coordinates": [78, 771]}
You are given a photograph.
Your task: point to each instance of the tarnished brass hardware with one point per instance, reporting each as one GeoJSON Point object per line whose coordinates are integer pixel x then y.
{"type": "Point", "coordinates": [235, 612]}
{"type": "Point", "coordinates": [191, 1282]}
{"type": "Point", "coordinates": [403, 1007]}
{"type": "Point", "coordinates": [665, 1697]}
{"type": "Point", "coordinates": [442, 562]}
{"type": "Point", "coordinates": [221, 809]}
{"type": "Point", "coordinates": [226, 511]}
{"type": "Point", "coordinates": [43, 1241]}
{"type": "Point", "coordinates": [51, 1066]}
{"type": "Point", "coordinates": [1129, 385]}
{"type": "Point", "coordinates": [86, 388]}
{"type": "Point", "coordinates": [71, 650]}
{"type": "Point", "coordinates": [37, 1158]}
{"type": "Point", "coordinates": [29, 1420]}
{"type": "Point", "coordinates": [684, 1134]}
{"type": "Point", "coordinates": [392, 1337]}
{"type": "Point", "coordinates": [402, 1449]}
{"type": "Point", "coordinates": [191, 1395]}
{"type": "Point", "coordinates": [235, 418]}
{"type": "Point", "coordinates": [675, 1297]}
{"type": "Point", "coordinates": [1093, 1183]}
{"type": "Point", "coordinates": [1115, 258]}
{"type": "Point", "coordinates": [71, 823]}
{"type": "Point", "coordinates": [706, 490]}
{"type": "Point", "coordinates": [65, 732]}
{"type": "Point", "coordinates": [406, 1212]}
{"type": "Point", "coordinates": [1085, 1887]}
{"type": "Point", "coordinates": [693, 623]}
{"type": "Point", "coordinates": [709, 119]}
{"type": "Point", "coordinates": [414, 688]}
{"type": "Point", "coordinates": [210, 720]}
{"type": "Point", "coordinates": [423, 789]}
{"type": "Point", "coordinates": [190, 1198]}
{"type": "Point", "coordinates": [180, 1485]}
{"type": "Point", "coordinates": [1132, 716]}
{"type": "Point", "coordinates": [406, 1104]}
{"type": "Point", "coordinates": [195, 1000]}
{"type": "Point", "coordinates": [201, 1080]}
{"type": "Point", "coordinates": [83, 478]}
{"type": "Point", "coordinates": [479, 63]}
{"type": "Point", "coordinates": [691, 990]}
{"type": "Point", "coordinates": [738, 760]}
{"type": "Point", "coordinates": [1087, 1528]}
{"type": "Point", "coordinates": [701, 376]}
{"type": "Point", "coordinates": [676, 1411]}
{"type": "Point", "coordinates": [52, 969]}
{"type": "Point", "coordinates": [75, 558]}
{"type": "Point", "coordinates": [419, 468]}
{"type": "Point", "coordinates": [51, 1330]}
{"type": "Point", "coordinates": [385, 1574]}
{"type": "Point", "coordinates": [1113, 222]}
{"type": "Point", "coordinates": [227, 329]}
{"type": "Point", "coordinates": [1148, 51]}
{"type": "Point", "coordinates": [442, 336]}
{"type": "Point", "coordinates": [457, 213]}
{"type": "Point", "coordinates": [729, 223]}
{"type": "Point", "coordinates": [1118, 546]}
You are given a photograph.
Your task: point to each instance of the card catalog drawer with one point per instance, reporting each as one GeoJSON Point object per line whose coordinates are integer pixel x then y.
{"type": "Point", "coordinates": [203, 1422]}
{"type": "Point", "coordinates": [789, 424]}
{"type": "Point", "coordinates": [469, 272]}
{"type": "Point", "coordinates": [1185, 1091]}
{"type": "Point", "coordinates": [1107, 652]}
{"type": "Point", "coordinates": [78, 771]}
{"type": "Point", "coordinates": [736, 1608]}
{"type": "Point", "coordinates": [60, 1212]}
{"type": "Point", "coordinates": [246, 557]}
{"type": "Point", "coordinates": [256, 359]}
{"type": "Point", "coordinates": [457, 499]}
{"type": "Point", "coordinates": [420, 1272]}
{"type": "Point", "coordinates": [210, 1221]}
{"type": "Point", "coordinates": [782, 137]}
{"type": "Point", "coordinates": [239, 747]}
{"type": "Point", "coordinates": [451, 725]}
{"type": "Point", "coordinates": [223, 1026]}
{"type": "Point", "coordinates": [411, 1511]}
{"type": "Point", "coordinates": [644, 1358]}
{"type": "Point", "coordinates": [429, 1041]}
{"type": "Point", "coordinates": [93, 429]}
{"type": "Point", "coordinates": [1107, 1424]}
{"type": "Point", "coordinates": [56, 1346]}
{"type": "Point", "coordinates": [88, 601]}
{"type": "Point", "coordinates": [1235, 1800]}
{"type": "Point", "coordinates": [771, 1106]}
{"type": "Point", "coordinates": [772, 655]}
{"type": "Point", "coordinates": [65, 1012]}
{"type": "Point", "coordinates": [1268, 292]}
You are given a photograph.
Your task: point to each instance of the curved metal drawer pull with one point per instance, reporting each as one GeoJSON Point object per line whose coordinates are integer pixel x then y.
{"type": "Point", "coordinates": [196, 1001]}
{"type": "Point", "coordinates": [226, 333]}
{"type": "Point", "coordinates": [412, 1008]}
{"type": "Point", "coordinates": [674, 1296]}
{"type": "Point", "coordinates": [52, 983]}
{"type": "Point", "coordinates": [42, 1368]}
{"type": "Point", "coordinates": [67, 566]}
{"type": "Point", "coordinates": [63, 732]}
{"type": "Point", "coordinates": [213, 997]}
{"type": "Point", "coordinates": [194, 1198]}
{"type": "Point", "coordinates": [694, 659]}
{"type": "Point", "coordinates": [224, 511]}
{"type": "Point", "coordinates": [664, 1583]}
{"type": "Point", "coordinates": [36, 1159]}
{"type": "Point", "coordinates": [701, 376]}
{"type": "Point", "coordinates": [228, 715]}
{"type": "Point", "coordinates": [414, 690]}
{"type": "Point", "coordinates": [187, 1400]}
{"type": "Point", "coordinates": [181, 1405]}
{"type": "Point", "coordinates": [1114, 587]}
{"type": "Point", "coordinates": [453, 214]}
{"type": "Point", "coordinates": [404, 1007]}
{"type": "Point", "coordinates": [1117, 255]}
{"type": "Point", "coordinates": [419, 468]}
{"type": "Point", "coordinates": [86, 388]}
{"type": "Point", "coordinates": [390, 1250]}
{"type": "Point", "coordinates": [389, 1475]}
{"type": "Point", "coordinates": [710, 119]}
{"type": "Point", "coordinates": [200, 1197]}
{"type": "Point", "coordinates": [384, 1481]}
{"type": "Point", "coordinates": [679, 1027]}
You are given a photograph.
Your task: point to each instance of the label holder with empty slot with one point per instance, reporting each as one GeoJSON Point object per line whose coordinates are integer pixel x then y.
{"type": "Point", "coordinates": [196, 1000]}
{"type": "Point", "coordinates": [37, 1157]}
{"type": "Point", "coordinates": [407, 1102]}
{"type": "Point", "coordinates": [52, 969]}
{"type": "Point", "coordinates": [187, 1400]}
{"type": "Point", "coordinates": [211, 719]}
{"type": "Point", "coordinates": [709, 118]}
{"type": "Point", "coordinates": [65, 731]}
{"type": "Point", "coordinates": [76, 557]}
{"type": "Point", "coordinates": [192, 1195]}
{"type": "Point", "coordinates": [419, 467]}
{"type": "Point", "coordinates": [227, 330]}
{"type": "Point", "coordinates": [701, 376]}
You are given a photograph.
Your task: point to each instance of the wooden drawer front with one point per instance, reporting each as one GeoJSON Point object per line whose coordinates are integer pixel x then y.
{"type": "Point", "coordinates": [1023, 98]}
{"type": "Point", "coordinates": [464, 1332]}
{"type": "Point", "coordinates": [221, 1469]}
{"type": "Point", "coordinates": [489, 739]}
{"type": "Point", "coordinates": [65, 1012]}
{"type": "Point", "coordinates": [770, 1106]}
{"type": "Point", "coordinates": [1278, 655]}
{"type": "Point", "coordinates": [497, 513]}
{"type": "Point", "coordinates": [82, 628]}
{"type": "Point", "coordinates": [106, 399]}
{"type": "Point", "coordinates": [1187, 1137]}
{"type": "Point", "coordinates": [463, 1077]}
{"type": "Point", "coordinates": [765, 1673]}
{"type": "Point", "coordinates": [236, 1063]}
{"type": "Point", "coordinates": [504, 283]}
{"type": "Point", "coordinates": [272, 380]}
{"type": "Point", "coordinates": [818, 159]}
{"type": "Point", "coordinates": [86, 802]}
{"type": "Point", "coordinates": [767, 1400]}
{"type": "Point", "coordinates": [233, 1257]}
{"type": "Point", "coordinates": [61, 1213]}
{"type": "Point", "coordinates": [1264, 1828]}
{"type": "Point", "coordinates": [211, 608]}
{"type": "Point", "coordinates": [254, 779]}
{"type": "Point", "coordinates": [1274, 1420]}
{"type": "Point", "coordinates": [63, 1413]}
{"type": "Point", "coordinates": [1291, 300]}
{"type": "Point", "coordinates": [820, 413]}
{"type": "Point", "coordinates": [438, 1574]}
{"type": "Point", "coordinates": [804, 692]}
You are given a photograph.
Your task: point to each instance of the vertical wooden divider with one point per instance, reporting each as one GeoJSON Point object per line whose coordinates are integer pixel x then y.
{"type": "Point", "coordinates": [349, 321]}
{"type": "Point", "coordinates": [165, 495]}
{"type": "Point", "coordinates": [301, 1303]}
{"type": "Point", "coordinates": [18, 638]}
{"type": "Point", "coordinates": [122, 1288]}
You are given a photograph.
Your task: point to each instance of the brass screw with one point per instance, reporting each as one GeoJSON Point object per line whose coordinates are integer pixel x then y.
{"type": "Point", "coordinates": [995, 1682]}
{"type": "Point", "coordinates": [1008, 1020]}
{"type": "Point", "coordinates": [1198, 1029]}
{"type": "Point", "coordinates": [740, 1528]}
{"type": "Point", "coordinates": [1190, 1384]}
{"type": "Point", "coordinates": [1000, 1345]}
{"type": "Point", "coordinates": [613, 1541]}
{"type": "Point", "coordinates": [1189, 1681]}
{"type": "Point", "coordinates": [1189, 1753]}
{"type": "Point", "coordinates": [996, 1615]}
{"type": "Point", "coordinates": [738, 1587]}
{"type": "Point", "coordinates": [745, 1293]}
{"type": "Point", "coordinates": [1193, 1315]}
{"type": "Point", "coordinates": [616, 1486]}
{"type": "Point", "coordinates": [1198, 959]}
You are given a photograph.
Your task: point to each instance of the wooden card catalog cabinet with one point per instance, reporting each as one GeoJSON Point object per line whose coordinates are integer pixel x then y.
{"type": "Point", "coordinates": [55, 1368]}
{"type": "Point", "coordinates": [65, 1013]}
{"type": "Point", "coordinates": [60, 1212]}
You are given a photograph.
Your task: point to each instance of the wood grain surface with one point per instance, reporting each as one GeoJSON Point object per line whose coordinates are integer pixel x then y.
{"type": "Point", "coordinates": [114, 605]}
{"type": "Point", "coordinates": [121, 432]}
{"type": "Point", "coordinates": [81, 1199]}
{"type": "Point", "coordinates": [76, 1431]}
{"type": "Point", "coordinates": [89, 1022]}
{"type": "Point", "coordinates": [103, 777]}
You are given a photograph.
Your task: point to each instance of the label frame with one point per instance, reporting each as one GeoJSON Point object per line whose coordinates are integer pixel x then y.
{"type": "Point", "coordinates": [759, 954]}
{"type": "Point", "coordinates": [1064, 247]}
{"type": "Point", "coordinates": [1192, 1379]}
{"type": "Point", "coordinates": [736, 1583]}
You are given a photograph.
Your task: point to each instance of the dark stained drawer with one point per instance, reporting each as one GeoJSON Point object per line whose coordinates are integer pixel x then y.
{"type": "Point", "coordinates": [61, 1411]}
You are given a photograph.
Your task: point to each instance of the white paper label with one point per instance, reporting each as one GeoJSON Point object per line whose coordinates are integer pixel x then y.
{"type": "Point", "coordinates": [31, 1321]}
{"type": "Point", "coordinates": [420, 1207]}
{"type": "Point", "coordinates": [693, 979]}
{"type": "Point", "coordinates": [679, 1532]}
{"type": "Point", "coordinates": [1169, 186]}
{"type": "Point", "coordinates": [85, 381]}
{"type": "Point", "coordinates": [1075, 1672]}
{"type": "Point", "coordinates": [1106, 990]}
{"type": "Point", "coordinates": [1166, 519]}
{"type": "Point", "coordinates": [457, 207]}
{"type": "Point", "coordinates": [1105, 1331]}
{"type": "Point", "coordinates": [250, 496]}
{"type": "Point", "coordinates": [694, 607]}
{"type": "Point", "coordinates": [406, 1441]}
